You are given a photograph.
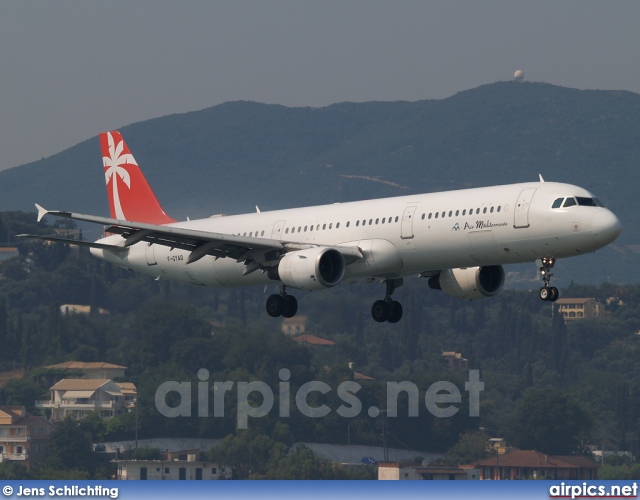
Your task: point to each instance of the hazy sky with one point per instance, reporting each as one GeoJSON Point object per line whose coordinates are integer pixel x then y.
{"type": "Point", "coordinates": [71, 69]}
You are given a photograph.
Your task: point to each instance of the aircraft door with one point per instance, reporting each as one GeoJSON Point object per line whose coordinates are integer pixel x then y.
{"type": "Point", "coordinates": [276, 233]}
{"type": "Point", "coordinates": [151, 256]}
{"type": "Point", "coordinates": [407, 222]}
{"type": "Point", "coordinates": [521, 212]}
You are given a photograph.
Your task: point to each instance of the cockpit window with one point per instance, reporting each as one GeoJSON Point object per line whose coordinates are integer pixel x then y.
{"type": "Point", "coordinates": [557, 203]}
{"type": "Point", "coordinates": [586, 202]}
{"type": "Point", "coordinates": [578, 200]}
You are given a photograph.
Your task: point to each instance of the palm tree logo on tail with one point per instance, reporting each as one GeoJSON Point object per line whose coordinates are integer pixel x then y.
{"type": "Point", "coordinates": [114, 169]}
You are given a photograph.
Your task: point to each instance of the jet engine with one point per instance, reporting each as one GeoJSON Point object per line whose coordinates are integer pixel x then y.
{"type": "Point", "coordinates": [310, 269]}
{"type": "Point", "coordinates": [469, 282]}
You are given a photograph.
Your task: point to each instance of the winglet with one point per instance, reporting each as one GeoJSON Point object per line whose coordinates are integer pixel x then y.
{"type": "Point", "coordinates": [41, 212]}
{"type": "Point", "coordinates": [541, 179]}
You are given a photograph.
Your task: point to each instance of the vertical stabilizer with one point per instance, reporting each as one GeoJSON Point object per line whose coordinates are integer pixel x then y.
{"type": "Point", "coordinates": [130, 196]}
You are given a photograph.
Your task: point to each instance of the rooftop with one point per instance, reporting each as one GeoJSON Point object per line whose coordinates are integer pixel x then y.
{"type": "Point", "coordinates": [81, 365]}
{"type": "Point", "coordinates": [313, 340]}
{"type": "Point", "coordinates": [573, 301]}
{"type": "Point", "coordinates": [537, 459]}
{"type": "Point", "coordinates": [80, 384]}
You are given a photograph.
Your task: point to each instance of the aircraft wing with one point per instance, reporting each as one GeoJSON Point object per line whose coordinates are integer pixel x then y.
{"type": "Point", "coordinates": [200, 243]}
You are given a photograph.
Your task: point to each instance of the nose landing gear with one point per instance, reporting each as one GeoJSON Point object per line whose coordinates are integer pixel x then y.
{"type": "Point", "coordinates": [548, 293]}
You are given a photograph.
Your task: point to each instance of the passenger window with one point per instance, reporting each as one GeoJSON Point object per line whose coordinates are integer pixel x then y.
{"type": "Point", "coordinates": [357, 223]}
{"type": "Point", "coordinates": [444, 214]}
{"type": "Point", "coordinates": [305, 229]}
{"type": "Point", "coordinates": [484, 210]}
{"type": "Point", "coordinates": [370, 221]}
{"type": "Point", "coordinates": [384, 218]}
{"type": "Point", "coordinates": [464, 212]}
{"type": "Point", "coordinates": [423, 216]}
{"type": "Point", "coordinates": [396, 218]}
{"type": "Point", "coordinates": [331, 225]}
{"type": "Point", "coordinates": [337, 225]}
{"type": "Point", "coordinates": [377, 221]}
{"type": "Point", "coordinates": [364, 222]}
{"type": "Point", "coordinates": [569, 202]}
{"type": "Point", "coordinates": [499, 207]}
{"type": "Point", "coordinates": [457, 212]}
{"type": "Point", "coordinates": [430, 216]}
{"type": "Point", "coordinates": [311, 228]}
{"type": "Point", "coordinates": [437, 215]}
{"type": "Point", "coordinates": [557, 203]}
{"type": "Point", "coordinates": [491, 210]}
{"type": "Point", "coordinates": [477, 211]}
{"type": "Point", "coordinates": [348, 223]}
{"type": "Point", "coordinates": [450, 213]}
{"type": "Point", "coordinates": [324, 226]}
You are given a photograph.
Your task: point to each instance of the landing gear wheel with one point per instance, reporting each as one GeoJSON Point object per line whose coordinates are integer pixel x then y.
{"type": "Point", "coordinates": [289, 306]}
{"type": "Point", "coordinates": [380, 311]}
{"type": "Point", "coordinates": [548, 293]}
{"type": "Point", "coordinates": [545, 293]}
{"type": "Point", "coordinates": [275, 305]}
{"type": "Point", "coordinates": [395, 312]}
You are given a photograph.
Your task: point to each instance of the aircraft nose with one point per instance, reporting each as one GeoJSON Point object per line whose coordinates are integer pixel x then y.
{"type": "Point", "coordinates": [606, 226]}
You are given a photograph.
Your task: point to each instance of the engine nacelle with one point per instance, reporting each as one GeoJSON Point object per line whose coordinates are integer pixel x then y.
{"type": "Point", "coordinates": [469, 282]}
{"type": "Point", "coordinates": [310, 269]}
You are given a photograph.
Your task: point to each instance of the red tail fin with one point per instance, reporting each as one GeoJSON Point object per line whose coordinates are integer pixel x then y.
{"type": "Point", "coordinates": [130, 196]}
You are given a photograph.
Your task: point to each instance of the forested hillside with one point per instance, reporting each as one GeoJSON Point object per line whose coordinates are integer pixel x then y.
{"type": "Point", "coordinates": [231, 157]}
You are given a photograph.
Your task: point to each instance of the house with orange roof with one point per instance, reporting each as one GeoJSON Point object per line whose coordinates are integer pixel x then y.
{"type": "Point", "coordinates": [531, 464]}
{"type": "Point", "coordinates": [23, 437]}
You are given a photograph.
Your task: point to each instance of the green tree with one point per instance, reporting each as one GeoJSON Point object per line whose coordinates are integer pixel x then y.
{"type": "Point", "coordinates": [303, 463]}
{"type": "Point", "coordinates": [470, 448]}
{"type": "Point", "coordinates": [248, 453]}
{"type": "Point", "coordinates": [69, 447]}
{"type": "Point", "coordinates": [21, 392]}
{"type": "Point", "coordinates": [550, 421]}
{"type": "Point", "coordinates": [11, 470]}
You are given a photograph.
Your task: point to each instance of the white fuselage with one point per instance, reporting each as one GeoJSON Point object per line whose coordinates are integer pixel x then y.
{"type": "Point", "coordinates": [399, 236]}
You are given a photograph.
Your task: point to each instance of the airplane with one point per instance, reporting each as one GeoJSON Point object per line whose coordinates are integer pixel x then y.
{"type": "Point", "coordinates": [458, 240]}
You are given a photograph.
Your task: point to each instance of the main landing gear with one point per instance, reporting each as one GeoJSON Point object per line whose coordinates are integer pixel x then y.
{"type": "Point", "coordinates": [282, 304]}
{"type": "Point", "coordinates": [388, 309]}
{"type": "Point", "coordinates": [548, 293]}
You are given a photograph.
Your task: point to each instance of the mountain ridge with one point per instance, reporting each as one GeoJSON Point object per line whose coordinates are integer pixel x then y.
{"type": "Point", "coordinates": [233, 156]}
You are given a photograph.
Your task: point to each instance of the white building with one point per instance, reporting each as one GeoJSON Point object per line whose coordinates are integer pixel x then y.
{"type": "Point", "coordinates": [402, 471]}
{"type": "Point", "coordinates": [80, 397]}
{"type": "Point", "coordinates": [171, 468]}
